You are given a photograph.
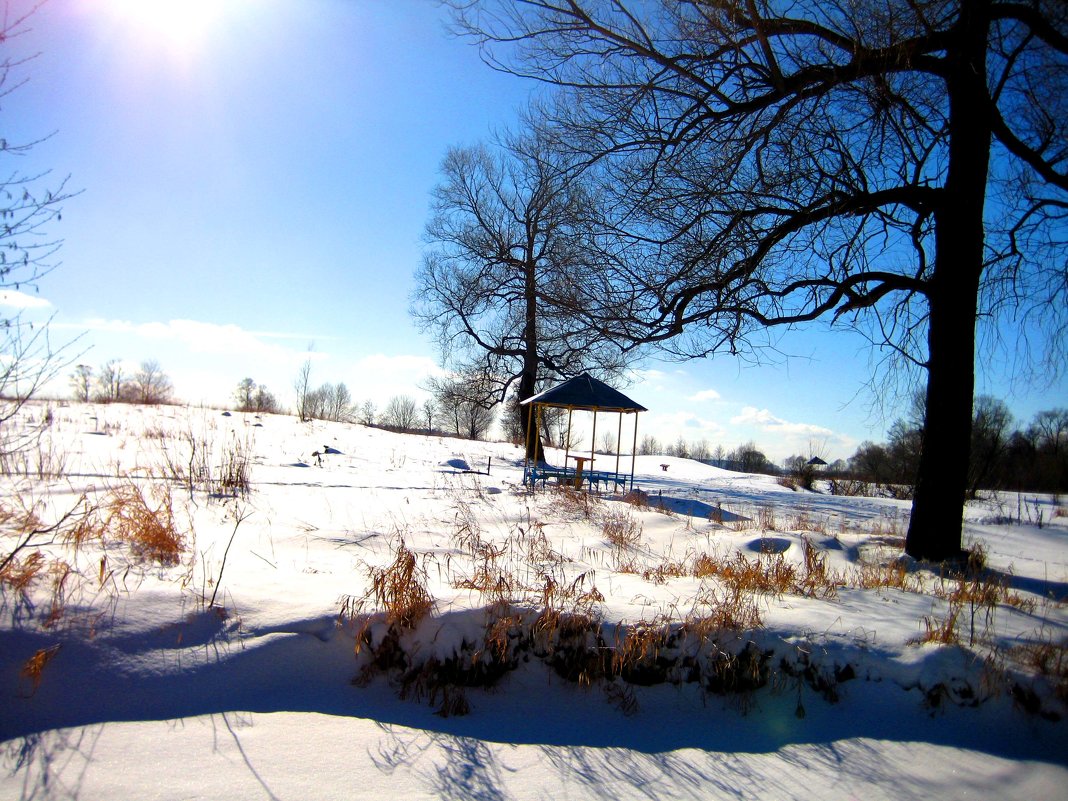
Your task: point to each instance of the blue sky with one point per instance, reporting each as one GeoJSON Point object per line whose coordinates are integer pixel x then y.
{"type": "Point", "coordinates": [255, 179]}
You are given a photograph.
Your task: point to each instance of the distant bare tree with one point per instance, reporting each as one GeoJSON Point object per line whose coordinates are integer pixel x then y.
{"type": "Point", "coordinates": [150, 384]}
{"type": "Point", "coordinates": [991, 428]}
{"type": "Point", "coordinates": [245, 395]}
{"type": "Point", "coordinates": [317, 402]}
{"type": "Point", "coordinates": [81, 382]}
{"type": "Point", "coordinates": [302, 386]}
{"type": "Point", "coordinates": [681, 448]}
{"type": "Point", "coordinates": [749, 459]}
{"type": "Point", "coordinates": [462, 403]}
{"type": "Point", "coordinates": [110, 381]}
{"type": "Point", "coordinates": [341, 410]}
{"type": "Point", "coordinates": [265, 401]}
{"type": "Point", "coordinates": [430, 410]}
{"type": "Point", "coordinates": [607, 442]}
{"type": "Point", "coordinates": [649, 446]}
{"type": "Point", "coordinates": [401, 413]}
{"type": "Point", "coordinates": [367, 413]}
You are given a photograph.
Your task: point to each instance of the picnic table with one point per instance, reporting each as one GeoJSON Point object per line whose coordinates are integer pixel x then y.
{"type": "Point", "coordinates": [580, 462]}
{"type": "Point", "coordinates": [543, 472]}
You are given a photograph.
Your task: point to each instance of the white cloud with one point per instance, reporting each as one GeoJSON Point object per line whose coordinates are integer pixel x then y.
{"type": "Point", "coordinates": [792, 437]}
{"type": "Point", "coordinates": [383, 376]}
{"type": "Point", "coordinates": [765, 420]}
{"type": "Point", "coordinates": [705, 395]}
{"type": "Point", "coordinates": [645, 376]}
{"type": "Point", "coordinates": [20, 300]}
{"type": "Point", "coordinates": [668, 426]}
{"type": "Point", "coordinates": [205, 338]}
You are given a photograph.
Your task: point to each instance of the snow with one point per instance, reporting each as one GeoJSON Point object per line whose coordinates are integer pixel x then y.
{"type": "Point", "coordinates": [153, 693]}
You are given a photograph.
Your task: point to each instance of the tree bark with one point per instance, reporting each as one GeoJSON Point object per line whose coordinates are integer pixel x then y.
{"type": "Point", "coordinates": [935, 528]}
{"type": "Point", "coordinates": [528, 380]}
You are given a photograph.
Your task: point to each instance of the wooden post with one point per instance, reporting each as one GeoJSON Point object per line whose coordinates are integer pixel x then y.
{"type": "Point", "coordinates": [634, 451]}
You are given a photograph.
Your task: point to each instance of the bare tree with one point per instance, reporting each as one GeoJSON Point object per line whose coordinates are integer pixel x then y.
{"type": "Point", "coordinates": [991, 424]}
{"type": "Point", "coordinates": [461, 402]}
{"type": "Point", "coordinates": [430, 411]}
{"type": "Point", "coordinates": [749, 459]}
{"type": "Point", "coordinates": [150, 384]}
{"type": "Point", "coordinates": [780, 163]}
{"type": "Point", "coordinates": [341, 404]}
{"type": "Point", "coordinates": [28, 209]}
{"type": "Point", "coordinates": [367, 413]}
{"type": "Point", "coordinates": [401, 413]}
{"type": "Point", "coordinates": [81, 382]}
{"type": "Point", "coordinates": [110, 381]}
{"type": "Point", "coordinates": [649, 446]}
{"type": "Point", "coordinates": [245, 395]}
{"type": "Point", "coordinates": [302, 386]}
{"type": "Point", "coordinates": [607, 442]}
{"type": "Point", "coordinates": [509, 236]}
{"type": "Point", "coordinates": [265, 401]}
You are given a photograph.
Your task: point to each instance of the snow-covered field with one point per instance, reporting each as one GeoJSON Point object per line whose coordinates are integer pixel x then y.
{"type": "Point", "coordinates": [604, 636]}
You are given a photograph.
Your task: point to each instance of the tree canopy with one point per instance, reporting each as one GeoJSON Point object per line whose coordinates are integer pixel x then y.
{"type": "Point", "coordinates": [896, 166]}
{"type": "Point", "coordinates": [511, 233]}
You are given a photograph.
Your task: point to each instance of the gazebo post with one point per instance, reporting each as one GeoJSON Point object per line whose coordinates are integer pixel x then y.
{"type": "Point", "coordinates": [593, 438]}
{"type": "Point", "coordinates": [533, 427]}
{"type": "Point", "coordinates": [539, 410]}
{"type": "Point", "coordinates": [633, 453]}
{"type": "Point", "coordinates": [567, 440]}
{"type": "Point", "coordinates": [619, 441]}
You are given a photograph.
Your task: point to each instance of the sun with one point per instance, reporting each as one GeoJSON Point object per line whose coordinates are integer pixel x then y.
{"type": "Point", "coordinates": [180, 24]}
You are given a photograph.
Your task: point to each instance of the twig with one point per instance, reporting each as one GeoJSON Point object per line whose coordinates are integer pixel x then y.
{"type": "Point", "coordinates": [241, 517]}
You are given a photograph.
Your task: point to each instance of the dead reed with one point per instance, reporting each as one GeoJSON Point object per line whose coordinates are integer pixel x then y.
{"type": "Point", "coordinates": [151, 533]}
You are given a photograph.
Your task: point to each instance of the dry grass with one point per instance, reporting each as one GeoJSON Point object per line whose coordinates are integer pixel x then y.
{"type": "Point", "coordinates": [729, 609]}
{"type": "Point", "coordinates": [1048, 659]}
{"type": "Point", "coordinates": [398, 590]}
{"type": "Point", "coordinates": [572, 502]}
{"type": "Point", "coordinates": [33, 668]}
{"type": "Point", "coordinates": [941, 630]}
{"type": "Point", "coordinates": [892, 575]}
{"type": "Point", "coordinates": [816, 581]}
{"type": "Point", "coordinates": [766, 574]}
{"type": "Point", "coordinates": [20, 574]}
{"type": "Point", "coordinates": [766, 518]}
{"type": "Point", "coordinates": [667, 569]}
{"type": "Point", "coordinates": [622, 531]}
{"type": "Point", "coordinates": [233, 477]}
{"type": "Point", "coordinates": [151, 533]}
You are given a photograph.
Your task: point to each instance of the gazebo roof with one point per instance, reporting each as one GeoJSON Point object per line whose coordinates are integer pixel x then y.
{"type": "Point", "coordinates": [586, 392]}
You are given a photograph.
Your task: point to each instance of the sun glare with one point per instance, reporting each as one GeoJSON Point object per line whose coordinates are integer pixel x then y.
{"type": "Point", "coordinates": [178, 23]}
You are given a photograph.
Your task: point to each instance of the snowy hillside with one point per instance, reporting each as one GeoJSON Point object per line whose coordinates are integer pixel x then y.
{"type": "Point", "coordinates": [200, 605]}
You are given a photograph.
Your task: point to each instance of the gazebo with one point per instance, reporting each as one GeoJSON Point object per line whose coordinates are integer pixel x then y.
{"type": "Point", "coordinates": [582, 393]}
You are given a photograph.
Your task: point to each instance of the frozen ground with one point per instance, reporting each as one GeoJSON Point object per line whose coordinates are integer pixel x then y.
{"type": "Point", "coordinates": [147, 690]}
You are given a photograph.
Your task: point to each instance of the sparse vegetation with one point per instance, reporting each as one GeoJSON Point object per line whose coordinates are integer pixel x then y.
{"type": "Point", "coordinates": [536, 590]}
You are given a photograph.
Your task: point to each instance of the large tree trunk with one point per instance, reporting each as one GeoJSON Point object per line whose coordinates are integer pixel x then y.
{"type": "Point", "coordinates": [528, 380]}
{"type": "Point", "coordinates": [527, 385]}
{"type": "Point", "coordinates": [937, 507]}
{"type": "Point", "coordinates": [935, 529]}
